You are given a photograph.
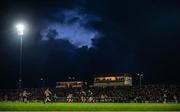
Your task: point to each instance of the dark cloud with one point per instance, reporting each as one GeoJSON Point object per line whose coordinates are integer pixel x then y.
{"type": "Point", "coordinates": [72, 26]}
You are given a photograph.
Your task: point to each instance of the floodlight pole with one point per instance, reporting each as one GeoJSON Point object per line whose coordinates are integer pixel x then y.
{"type": "Point", "coordinates": [140, 79]}
{"type": "Point", "coordinates": [20, 62]}
{"type": "Point", "coordinates": [42, 82]}
{"type": "Point", "coordinates": [20, 28]}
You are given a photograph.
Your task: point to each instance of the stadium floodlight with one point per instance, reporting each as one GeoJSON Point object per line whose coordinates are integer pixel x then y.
{"type": "Point", "coordinates": [20, 29]}
{"type": "Point", "coordinates": [42, 81]}
{"type": "Point", "coordinates": [140, 79]}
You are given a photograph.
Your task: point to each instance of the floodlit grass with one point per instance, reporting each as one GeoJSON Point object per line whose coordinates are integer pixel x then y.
{"type": "Point", "coordinates": [88, 106]}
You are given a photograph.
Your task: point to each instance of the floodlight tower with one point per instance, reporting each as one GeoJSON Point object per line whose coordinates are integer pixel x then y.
{"type": "Point", "coordinates": [42, 81]}
{"type": "Point", "coordinates": [140, 79]}
{"type": "Point", "coordinates": [20, 32]}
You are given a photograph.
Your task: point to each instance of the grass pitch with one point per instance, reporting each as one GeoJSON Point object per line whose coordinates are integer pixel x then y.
{"type": "Point", "coordinates": [16, 106]}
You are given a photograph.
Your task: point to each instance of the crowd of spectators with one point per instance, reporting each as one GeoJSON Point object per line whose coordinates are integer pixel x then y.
{"type": "Point", "coordinates": [145, 94]}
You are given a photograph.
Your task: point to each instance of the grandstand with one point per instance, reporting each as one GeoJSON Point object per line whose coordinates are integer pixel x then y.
{"type": "Point", "coordinates": [113, 80]}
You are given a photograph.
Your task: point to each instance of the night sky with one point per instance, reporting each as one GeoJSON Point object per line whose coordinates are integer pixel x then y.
{"type": "Point", "coordinates": [87, 38]}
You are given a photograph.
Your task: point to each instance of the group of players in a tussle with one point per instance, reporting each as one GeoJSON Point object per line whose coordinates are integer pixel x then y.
{"type": "Point", "coordinates": [47, 94]}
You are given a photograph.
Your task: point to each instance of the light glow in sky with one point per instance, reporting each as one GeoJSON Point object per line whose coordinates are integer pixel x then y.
{"type": "Point", "coordinates": [72, 25]}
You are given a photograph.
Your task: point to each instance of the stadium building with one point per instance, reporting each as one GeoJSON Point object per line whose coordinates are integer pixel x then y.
{"type": "Point", "coordinates": [113, 80]}
{"type": "Point", "coordinates": [68, 84]}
